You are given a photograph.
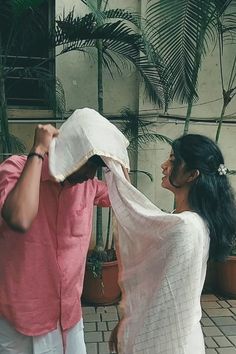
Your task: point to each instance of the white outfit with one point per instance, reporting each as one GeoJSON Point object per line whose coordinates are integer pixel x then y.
{"type": "Point", "coordinates": [13, 342]}
{"type": "Point", "coordinates": [162, 257]}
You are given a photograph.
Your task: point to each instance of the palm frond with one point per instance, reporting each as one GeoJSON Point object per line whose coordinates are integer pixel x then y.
{"type": "Point", "coordinates": [121, 47]}
{"type": "Point", "coordinates": [92, 5]}
{"type": "Point", "coordinates": [76, 32]}
{"type": "Point", "coordinates": [151, 74]}
{"type": "Point", "coordinates": [181, 31]}
{"type": "Point", "coordinates": [146, 138]}
{"type": "Point", "coordinates": [228, 28]}
{"type": "Point", "coordinates": [136, 129]}
{"type": "Point", "coordinates": [122, 14]}
{"type": "Point", "coordinates": [71, 28]}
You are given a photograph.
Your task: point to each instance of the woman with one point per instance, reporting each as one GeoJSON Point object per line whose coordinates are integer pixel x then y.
{"type": "Point", "coordinates": [163, 263]}
{"type": "Point", "coordinates": [196, 174]}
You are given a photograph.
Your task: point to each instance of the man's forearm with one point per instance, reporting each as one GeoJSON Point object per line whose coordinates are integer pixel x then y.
{"type": "Point", "coordinates": [21, 205]}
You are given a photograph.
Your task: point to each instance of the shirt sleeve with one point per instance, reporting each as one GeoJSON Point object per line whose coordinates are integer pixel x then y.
{"type": "Point", "coordinates": [10, 171]}
{"type": "Point", "coordinates": [102, 197]}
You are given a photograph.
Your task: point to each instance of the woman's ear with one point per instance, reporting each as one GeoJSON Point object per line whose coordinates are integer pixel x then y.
{"type": "Point", "coordinates": [193, 175]}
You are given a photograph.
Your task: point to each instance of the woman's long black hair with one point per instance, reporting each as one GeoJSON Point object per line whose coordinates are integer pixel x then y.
{"type": "Point", "coordinates": [210, 195]}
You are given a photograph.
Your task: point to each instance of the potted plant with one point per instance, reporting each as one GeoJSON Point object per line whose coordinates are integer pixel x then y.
{"type": "Point", "coordinates": [226, 276]}
{"type": "Point", "coordinates": [101, 275]}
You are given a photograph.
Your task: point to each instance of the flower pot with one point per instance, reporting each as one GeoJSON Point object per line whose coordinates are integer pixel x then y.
{"type": "Point", "coordinates": [226, 277]}
{"type": "Point", "coordinates": [210, 281]}
{"type": "Point", "coordinates": [104, 291]}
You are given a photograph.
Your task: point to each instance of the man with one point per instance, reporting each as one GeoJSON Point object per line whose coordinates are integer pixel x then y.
{"type": "Point", "coordinates": [45, 230]}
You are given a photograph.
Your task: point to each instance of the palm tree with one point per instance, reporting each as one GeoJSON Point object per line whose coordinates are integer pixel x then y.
{"type": "Point", "coordinates": [181, 30]}
{"type": "Point", "coordinates": [116, 37]}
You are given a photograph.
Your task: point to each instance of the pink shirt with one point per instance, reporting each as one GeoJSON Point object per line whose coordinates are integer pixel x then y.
{"type": "Point", "coordinates": [42, 271]}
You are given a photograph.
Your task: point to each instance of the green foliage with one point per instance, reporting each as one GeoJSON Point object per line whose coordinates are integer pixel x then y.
{"type": "Point", "coordinates": [123, 46]}
{"type": "Point", "coordinates": [96, 259]}
{"type": "Point", "coordinates": [138, 130]}
{"type": "Point", "coordinates": [181, 30]}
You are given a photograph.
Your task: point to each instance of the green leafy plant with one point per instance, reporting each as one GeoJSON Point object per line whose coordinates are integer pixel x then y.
{"type": "Point", "coordinates": [182, 31]}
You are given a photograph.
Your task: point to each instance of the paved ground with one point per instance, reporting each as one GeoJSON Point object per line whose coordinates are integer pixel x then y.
{"type": "Point", "coordinates": [218, 323]}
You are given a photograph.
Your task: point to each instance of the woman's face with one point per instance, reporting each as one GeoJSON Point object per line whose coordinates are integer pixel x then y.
{"type": "Point", "coordinates": [167, 168]}
{"type": "Point", "coordinates": [181, 179]}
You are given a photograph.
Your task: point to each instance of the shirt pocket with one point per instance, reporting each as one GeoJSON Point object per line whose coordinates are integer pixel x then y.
{"type": "Point", "coordinates": [80, 223]}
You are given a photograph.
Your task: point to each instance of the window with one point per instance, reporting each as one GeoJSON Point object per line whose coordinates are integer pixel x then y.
{"type": "Point", "coordinates": [30, 62]}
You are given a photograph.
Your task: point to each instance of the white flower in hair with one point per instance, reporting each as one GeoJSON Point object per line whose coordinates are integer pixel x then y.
{"type": "Point", "coordinates": [222, 170]}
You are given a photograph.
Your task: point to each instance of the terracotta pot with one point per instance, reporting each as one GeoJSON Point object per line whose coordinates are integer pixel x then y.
{"type": "Point", "coordinates": [210, 281]}
{"type": "Point", "coordinates": [226, 277]}
{"type": "Point", "coordinates": [103, 291]}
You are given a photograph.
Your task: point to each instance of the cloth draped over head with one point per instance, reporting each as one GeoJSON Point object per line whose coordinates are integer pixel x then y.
{"type": "Point", "coordinates": [84, 134]}
{"type": "Point", "coordinates": [157, 318]}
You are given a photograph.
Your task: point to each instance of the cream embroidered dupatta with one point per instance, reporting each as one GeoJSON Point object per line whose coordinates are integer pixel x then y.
{"type": "Point", "coordinates": [162, 257]}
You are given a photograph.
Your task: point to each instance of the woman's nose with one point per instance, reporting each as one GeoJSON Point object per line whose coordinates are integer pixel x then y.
{"type": "Point", "coordinates": [163, 165]}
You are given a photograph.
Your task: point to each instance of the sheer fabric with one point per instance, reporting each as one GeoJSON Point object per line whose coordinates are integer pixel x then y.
{"type": "Point", "coordinates": [163, 261]}
{"type": "Point", "coordinates": [162, 257]}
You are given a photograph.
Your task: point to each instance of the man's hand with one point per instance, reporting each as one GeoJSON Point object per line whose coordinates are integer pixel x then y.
{"type": "Point", "coordinates": [43, 137]}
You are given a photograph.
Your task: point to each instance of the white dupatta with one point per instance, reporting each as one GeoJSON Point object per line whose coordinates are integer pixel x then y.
{"type": "Point", "coordinates": [162, 257]}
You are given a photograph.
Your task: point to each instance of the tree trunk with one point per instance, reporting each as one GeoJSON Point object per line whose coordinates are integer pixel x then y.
{"type": "Point", "coordinates": [99, 221]}
{"type": "Point", "coordinates": [188, 115]}
{"type": "Point", "coordinates": [220, 122]}
{"type": "Point", "coordinates": [135, 153]}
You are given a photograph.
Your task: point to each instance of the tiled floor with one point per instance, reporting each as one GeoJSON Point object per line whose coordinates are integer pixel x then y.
{"type": "Point", "coordinates": [218, 323]}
